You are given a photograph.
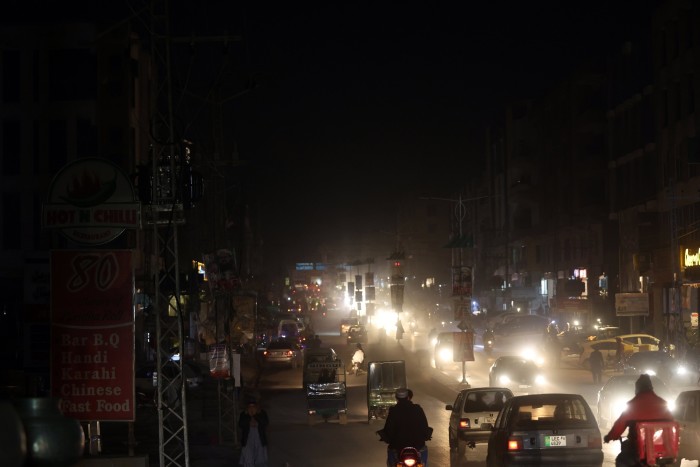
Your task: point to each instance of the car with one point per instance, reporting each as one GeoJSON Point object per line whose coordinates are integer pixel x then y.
{"type": "Point", "coordinates": [345, 324]}
{"type": "Point", "coordinates": [608, 347]}
{"type": "Point", "coordinates": [443, 351]}
{"type": "Point", "coordinates": [357, 335]}
{"type": "Point", "coordinates": [282, 351]}
{"type": "Point", "coordinates": [516, 373]}
{"type": "Point", "coordinates": [472, 408]}
{"type": "Point", "coordinates": [618, 390]}
{"type": "Point", "coordinates": [545, 429]}
{"type": "Point", "coordinates": [661, 364]}
{"type": "Point", "coordinates": [146, 379]}
{"type": "Point", "coordinates": [522, 325]}
{"type": "Point", "coordinates": [687, 413]}
{"type": "Point", "coordinates": [642, 342]}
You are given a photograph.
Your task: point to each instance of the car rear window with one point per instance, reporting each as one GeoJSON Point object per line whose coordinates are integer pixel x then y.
{"type": "Point", "coordinates": [561, 413]}
{"type": "Point", "coordinates": [485, 401]}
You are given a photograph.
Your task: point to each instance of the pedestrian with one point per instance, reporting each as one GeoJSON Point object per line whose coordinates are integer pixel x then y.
{"type": "Point", "coordinates": [252, 424]}
{"type": "Point", "coordinates": [597, 363]}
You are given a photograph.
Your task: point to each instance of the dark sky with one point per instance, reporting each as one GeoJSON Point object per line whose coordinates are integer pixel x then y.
{"type": "Point", "coordinates": [357, 104]}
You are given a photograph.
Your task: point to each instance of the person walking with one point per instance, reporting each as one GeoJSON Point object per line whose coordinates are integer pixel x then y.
{"type": "Point", "coordinates": [597, 363]}
{"type": "Point", "coordinates": [252, 425]}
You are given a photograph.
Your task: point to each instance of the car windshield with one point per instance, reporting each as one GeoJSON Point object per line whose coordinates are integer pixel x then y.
{"type": "Point", "coordinates": [556, 411]}
{"type": "Point", "coordinates": [485, 401]}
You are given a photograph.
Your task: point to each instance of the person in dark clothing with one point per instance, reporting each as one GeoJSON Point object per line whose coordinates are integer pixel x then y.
{"type": "Point", "coordinates": [597, 363]}
{"type": "Point", "coordinates": [644, 406]}
{"type": "Point", "coordinates": [252, 424]}
{"type": "Point", "coordinates": [406, 426]}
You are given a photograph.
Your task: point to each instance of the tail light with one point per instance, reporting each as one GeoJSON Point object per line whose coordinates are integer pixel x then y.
{"type": "Point", "coordinates": [289, 353]}
{"type": "Point", "coordinates": [409, 462]}
{"type": "Point", "coordinates": [464, 424]}
{"type": "Point", "coordinates": [515, 444]}
{"type": "Point", "coordinates": [595, 442]}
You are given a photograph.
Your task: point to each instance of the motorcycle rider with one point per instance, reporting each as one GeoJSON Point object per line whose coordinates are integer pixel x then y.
{"type": "Point", "coordinates": [644, 406]}
{"type": "Point", "coordinates": [359, 356]}
{"type": "Point", "coordinates": [487, 336]}
{"type": "Point", "coordinates": [406, 426]}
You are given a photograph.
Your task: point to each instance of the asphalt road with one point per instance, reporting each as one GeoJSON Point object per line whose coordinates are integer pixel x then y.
{"type": "Point", "coordinates": [294, 442]}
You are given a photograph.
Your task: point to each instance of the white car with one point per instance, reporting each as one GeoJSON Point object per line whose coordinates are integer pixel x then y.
{"type": "Point", "coordinates": [642, 341]}
{"type": "Point", "coordinates": [608, 347]}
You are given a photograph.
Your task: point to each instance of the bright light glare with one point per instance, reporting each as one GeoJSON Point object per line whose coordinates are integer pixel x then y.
{"type": "Point", "coordinates": [681, 370]}
{"type": "Point", "coordinates": [619, 406]}
{"type": "Point", "coordinates": [504, 379]}
{"type": "Point", "coordinates": [445, 355]}
{"type": "Point", "coordinates": [671, 405]}
{"type": "Point", "coordinates": [433, 341]}
{"type": "Point", "coordinates": [650, 372]}
{"type": "Point", "coordinates": [540, 379]}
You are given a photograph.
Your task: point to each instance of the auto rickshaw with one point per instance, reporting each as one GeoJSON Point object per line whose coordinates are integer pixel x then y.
{"type": "Point", "coordinates": [324, 384]}
{"type": "Point", "coordinates": [383, 379]}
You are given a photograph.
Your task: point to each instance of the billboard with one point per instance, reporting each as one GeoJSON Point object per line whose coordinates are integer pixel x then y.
{"type": "Point", "coordinates": [632, 304]}
{"type": "Point", "coordinates": [92, 334]}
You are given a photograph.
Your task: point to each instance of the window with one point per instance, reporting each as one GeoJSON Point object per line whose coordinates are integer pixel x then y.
{"type": "Point", "coordinates": [58, 145]}
{"type": "Point", "coordinates": [11, 221]}
{"type": "Point", "coordinates": [72, 75]}
{"type": "Point", "coordinates": [11, 147]}
{"type": "Point", "coordinates": [10, 75]}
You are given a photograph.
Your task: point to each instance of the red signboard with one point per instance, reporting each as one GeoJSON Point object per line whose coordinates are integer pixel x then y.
{"type": "Point", "coordinates": [92, 334]}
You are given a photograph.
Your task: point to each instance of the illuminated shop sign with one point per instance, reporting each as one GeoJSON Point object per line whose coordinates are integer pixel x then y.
{"type": "Point", "coordinates": [691, 257]}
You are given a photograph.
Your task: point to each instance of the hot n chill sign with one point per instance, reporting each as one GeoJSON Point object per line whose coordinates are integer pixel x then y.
{"type": "Point", "coordinates": [91, 201]}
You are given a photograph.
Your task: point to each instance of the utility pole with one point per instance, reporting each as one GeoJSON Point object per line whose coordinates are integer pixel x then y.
{"type": "Point", "coordinates": [165, 214]}
{"type": "Point", "coordinates": [169, 172]}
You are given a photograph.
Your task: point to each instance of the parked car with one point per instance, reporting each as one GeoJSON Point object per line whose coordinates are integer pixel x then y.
{"type": "Point", "coordinates": [661, 364]}
{"type": "Point", "coordinates": [516, 373]}
{"type": "Point", "coordinates": [618, 390]}
{"type": "Point", "coordinates": [642, 342]}
{"type": "Point", "coordinates": [608, 347]}
{"type": "Point", "coordinates": [146, 379]}
{"type": "Point", "coordinates": [545, 429]}
{"type": "Point", "coordinates": [470, 410]}
{"type": "Point", "coordinates": [282, 351]}
{"type": "Point", "coordinates": [443, 351]}
{"type": "Point", "coordinates": [687, 414]}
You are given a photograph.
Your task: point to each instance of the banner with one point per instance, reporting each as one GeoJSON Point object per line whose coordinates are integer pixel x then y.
{"type": "Point", "coordinates": [92, 334]}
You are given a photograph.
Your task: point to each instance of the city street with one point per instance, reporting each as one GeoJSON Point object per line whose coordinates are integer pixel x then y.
{"type": "Point", "coordinates": [292, 440]}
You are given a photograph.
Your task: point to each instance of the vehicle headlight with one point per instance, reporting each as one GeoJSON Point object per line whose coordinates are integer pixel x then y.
{"type": "Point", "coordinates": [445, 354]}
{"type": "Point", "coordinates": [504, 379]}
{"type": "Point", "coordinates": [618, 406]}
{"type": "Point", "coordinates": [540, 379]}
{"type": "Point", "coordinates": [681, 370]}
{"type": "Point", "coordinates": [650, 372]}
{"type": "Point", "coordinates": [671, 405]}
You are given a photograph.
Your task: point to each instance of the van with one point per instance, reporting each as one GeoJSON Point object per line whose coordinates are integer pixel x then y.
{"type": "Point", "coordinates": [288, 329]}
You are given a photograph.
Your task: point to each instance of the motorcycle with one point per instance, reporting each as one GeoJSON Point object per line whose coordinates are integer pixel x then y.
{"type": "Point", "coordinates": [356, 368]}
{"type": "Point", "coordinates": [488, 347]}
{"type": "Point", "coordinates": [409, 457]}
{"type": "Point", "coordinates": [655, 444]}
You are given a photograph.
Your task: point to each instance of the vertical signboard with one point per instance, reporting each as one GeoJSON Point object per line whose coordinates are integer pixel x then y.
{"type": "Point", "coordinates": [92, 334]}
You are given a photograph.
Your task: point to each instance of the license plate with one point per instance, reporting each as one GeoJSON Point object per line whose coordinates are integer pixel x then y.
{"type": "Point", "coordinates": [488, 419]}
{"type": "Point", "coordinates": [554, 441]}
